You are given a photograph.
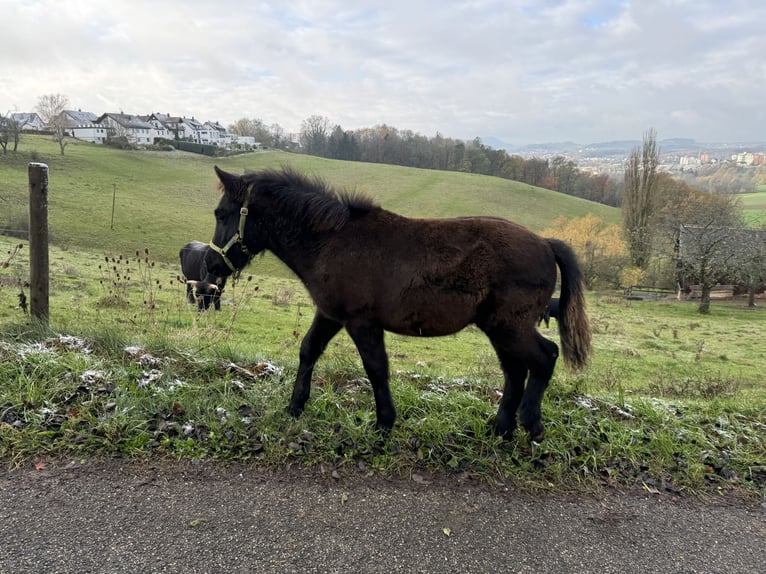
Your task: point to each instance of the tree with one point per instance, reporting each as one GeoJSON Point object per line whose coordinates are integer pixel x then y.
{"type": "Point", "coordinates": [51, 109]}
{"type": "Point", "coordinates": [313, 136]}
{"type": "Point", "coordinates": [678, 204]}
{"type": "Point", "coordinates": [752, 267]}
{"type": "Point", "coordinates": [535, 171]}
{"type": "Point", "coordinates": [9, 132]}
{"type": "Point", "coordinates": [599, 247]}
{"type": "Point", "coordinates": [638, 199]}
{"type": "Point", "coordinates": [278, 139]}
{"type": "Point", "coordinates": [342, 145]}
{"type": "Point", "coordinates": [709, 253]}
{"type": "Point", "coordinates": [254, 128]}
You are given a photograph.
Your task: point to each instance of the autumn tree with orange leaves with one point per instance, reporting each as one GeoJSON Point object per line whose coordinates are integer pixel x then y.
{"type": "Point", "coordinates": [599, 246]}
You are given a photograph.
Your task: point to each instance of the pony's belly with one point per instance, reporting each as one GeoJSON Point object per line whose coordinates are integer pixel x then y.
{"type": "Point", "coordinates": [433, 326]}
{"type": "Point", "coordinates": [413, 331]}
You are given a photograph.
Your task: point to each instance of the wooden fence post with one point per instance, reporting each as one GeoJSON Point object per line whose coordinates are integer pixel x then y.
{"type": "Point", "coordinates": [38, 241]}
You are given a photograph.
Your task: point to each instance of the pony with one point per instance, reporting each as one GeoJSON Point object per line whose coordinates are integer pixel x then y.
{"type": "Point", "coordinates": [200, 288]}
{"type": "Point", "coordinates": [369, 270]}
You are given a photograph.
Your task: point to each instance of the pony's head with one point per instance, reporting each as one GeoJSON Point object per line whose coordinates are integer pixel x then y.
{"type": "Point", "coordinates": [235, 239]}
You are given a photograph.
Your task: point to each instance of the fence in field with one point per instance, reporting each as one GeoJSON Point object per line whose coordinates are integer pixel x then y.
{"type": "Point", "coordinates": [38, 241]}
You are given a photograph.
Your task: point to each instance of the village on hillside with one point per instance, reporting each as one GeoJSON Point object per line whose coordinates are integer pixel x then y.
{"type": "Point", "coordinates": [137, 129]}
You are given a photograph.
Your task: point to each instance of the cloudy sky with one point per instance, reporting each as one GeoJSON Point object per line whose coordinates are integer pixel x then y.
{"type": "Point", "coordinates": [522, 71]}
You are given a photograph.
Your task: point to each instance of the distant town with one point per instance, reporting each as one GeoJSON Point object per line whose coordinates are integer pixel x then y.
{"type": "Point", "coordinates": [677, 155]}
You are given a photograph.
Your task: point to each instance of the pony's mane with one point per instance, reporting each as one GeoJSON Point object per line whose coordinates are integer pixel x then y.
{"type": "Point", "coordinates": [304, 198]}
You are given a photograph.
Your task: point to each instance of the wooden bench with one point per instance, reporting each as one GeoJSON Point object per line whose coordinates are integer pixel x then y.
{"type": "Point", "coordinates": [642, 292]}
{"type": "Point", "coordinates": [720, 292]}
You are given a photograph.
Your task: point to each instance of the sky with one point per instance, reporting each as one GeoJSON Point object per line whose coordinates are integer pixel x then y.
{"type": "Point", "coordinates": [520, 71]}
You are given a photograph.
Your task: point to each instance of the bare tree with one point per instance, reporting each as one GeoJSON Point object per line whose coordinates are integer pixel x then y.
{"type": "Point", "coordinates": [751, 267]}
{"type": "Point", "coordinates": [713, 254]}
{"type": "Point", "coordinates": [314, 133]}
{"type": "Point", "coordinates": [10, 131]}
{"type": "Point", "coordinates": [51, 109]}
{"type": "Point", "coordinates": [708, 254]}
{"type": "Point", "coordinates": [638, 199]}
{"type": "Point", "coordinates": [677, 203]}
{"type": "Point", "coordinates": [278, 138]}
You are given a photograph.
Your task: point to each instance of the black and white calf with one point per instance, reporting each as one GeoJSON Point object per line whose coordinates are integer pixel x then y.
{"type": "Point", "coordinates": [202, 287]}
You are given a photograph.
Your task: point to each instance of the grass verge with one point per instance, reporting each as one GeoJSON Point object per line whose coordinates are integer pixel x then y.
{"type": "Point", "coordinates": [70, 396]}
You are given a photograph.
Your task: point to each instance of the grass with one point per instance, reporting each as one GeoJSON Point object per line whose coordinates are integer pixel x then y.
{"type": "Point", "coordinates": [754, 206]}
{"type": "Point", "coordinates": [673, 401]}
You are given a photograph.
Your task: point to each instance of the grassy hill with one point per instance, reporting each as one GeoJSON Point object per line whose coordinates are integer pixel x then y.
{"type": "Point", "coordinates": [164, 199]}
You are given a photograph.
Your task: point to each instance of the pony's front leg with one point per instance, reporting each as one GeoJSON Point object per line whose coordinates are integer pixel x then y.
{"type": "Point", "coordinates": [513, 391]}
{"type": "Point", "coordinates": [369, 342]}
{"type": "Point", "coordinates": [313, 345]}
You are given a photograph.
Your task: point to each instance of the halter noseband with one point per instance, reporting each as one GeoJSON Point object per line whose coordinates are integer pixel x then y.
{"type": "Point", "coordinates": [239, 237]}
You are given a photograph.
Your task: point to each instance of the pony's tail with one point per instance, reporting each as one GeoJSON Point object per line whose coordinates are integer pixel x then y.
{"type": "Point", "coordinates": [574, 327]}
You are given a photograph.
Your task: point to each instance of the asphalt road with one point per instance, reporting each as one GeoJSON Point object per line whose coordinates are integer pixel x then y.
{"type": "Point", "coordinates": [195, 518]}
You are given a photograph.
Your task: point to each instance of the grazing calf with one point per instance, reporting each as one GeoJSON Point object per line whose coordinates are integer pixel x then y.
{"type": "Point", "coordinates": [201, 286]}
{"type": "Point", "coordinates": [552, 310]}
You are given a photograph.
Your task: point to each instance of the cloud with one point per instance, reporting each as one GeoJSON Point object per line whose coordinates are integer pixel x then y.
{"type": "Point", "coordinates": [522, 71]}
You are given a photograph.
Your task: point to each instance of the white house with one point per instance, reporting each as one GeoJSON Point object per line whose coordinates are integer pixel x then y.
{"type": "Point", "coordinates": [160, 125]}
{"type": "Point", "coordinates": [136, 130]}
{"type": "Point", "coordinates": [194, 130]}
{"type": "Point", "coordinates": [84, 126]}
{"type": "Point", "coordinates": [216, 134]}
{"type": "Point", "coordinates": [245, 141]}
{"type": "Point", "coordinates": [28, 121]}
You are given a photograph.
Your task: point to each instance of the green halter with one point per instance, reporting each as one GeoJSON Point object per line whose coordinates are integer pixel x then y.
{"type": "Point", "coordinates": [239, 237]}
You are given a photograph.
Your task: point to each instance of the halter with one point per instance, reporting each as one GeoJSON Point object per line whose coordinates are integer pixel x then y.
{"type": "Point", "coordinates": [239, 237]}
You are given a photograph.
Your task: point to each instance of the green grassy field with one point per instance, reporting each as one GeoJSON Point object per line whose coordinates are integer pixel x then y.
{"type": "Point", "coordinates": [165, 199]}
{"type": "Point", "coordinates": [754, 206]}
{"type": "Point", "coordinates": [673, 400]}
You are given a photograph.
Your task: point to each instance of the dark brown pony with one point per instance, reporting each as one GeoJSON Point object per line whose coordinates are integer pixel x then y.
{"type": "Point", "coordinates": [369, 270]}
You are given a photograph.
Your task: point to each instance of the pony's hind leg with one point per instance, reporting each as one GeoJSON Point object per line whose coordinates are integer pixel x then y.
{"type": "Point", "coordinates": [313, 345]}
{"type": "Point", "coordinates": [369, 342]}
{"type": "Point", "coordinates": [542, 361]}
{"type": "Point", "coordinates": [515, 373]}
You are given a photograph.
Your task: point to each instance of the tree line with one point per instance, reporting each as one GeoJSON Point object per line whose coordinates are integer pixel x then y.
{"type": "Point", "coordinates": [387, 144]}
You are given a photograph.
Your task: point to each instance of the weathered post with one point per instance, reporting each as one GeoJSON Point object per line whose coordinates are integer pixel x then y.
{"type": "Point", "coordinates": [38, 241]}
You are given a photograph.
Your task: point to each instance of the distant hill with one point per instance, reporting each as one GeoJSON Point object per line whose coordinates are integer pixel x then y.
{"type": "Point", "coordinates": [620, 148]}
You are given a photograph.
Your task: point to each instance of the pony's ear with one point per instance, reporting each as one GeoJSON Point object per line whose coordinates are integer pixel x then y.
{"type": "Point", "coordinates": [227, 179]}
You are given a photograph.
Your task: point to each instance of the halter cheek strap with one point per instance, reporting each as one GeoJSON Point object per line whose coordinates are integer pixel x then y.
{"type": "Point", "coordinates": [239, 237]}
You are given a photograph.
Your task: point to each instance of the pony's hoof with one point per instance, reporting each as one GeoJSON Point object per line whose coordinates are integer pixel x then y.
{"type": "Point", "coordinates": [383, 431]}
{"type": "Point", "coordinates": [384, 421]}
{"type": "Point", "coordinates": [533, 424]}
{"type": "Point", "coordinates": [504, 427]}
{"type": "Point", "coordinates": [294, 410]}
{"type": "Point", "coordinates": [536, 431]}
